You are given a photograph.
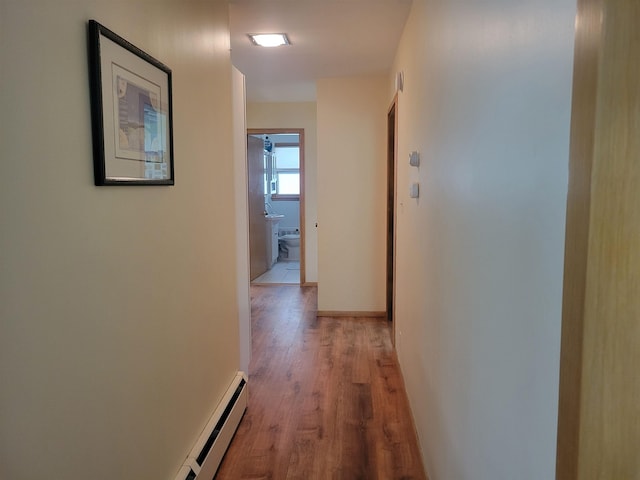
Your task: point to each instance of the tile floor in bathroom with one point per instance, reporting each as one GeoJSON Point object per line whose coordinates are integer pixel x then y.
{"type": "Point", "coordinates": [281, 272]}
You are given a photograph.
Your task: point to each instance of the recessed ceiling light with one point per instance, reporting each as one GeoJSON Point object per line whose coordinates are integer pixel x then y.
{"type": "Point", "coordinates": [269, 39]}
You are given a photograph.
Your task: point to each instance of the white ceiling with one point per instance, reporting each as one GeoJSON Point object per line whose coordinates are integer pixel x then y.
{"type": "Point", "coordinates": [329, 38]}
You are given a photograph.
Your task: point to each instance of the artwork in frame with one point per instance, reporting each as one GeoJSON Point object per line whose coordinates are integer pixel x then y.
{"type": "Point", "coordinates": [131, 112]}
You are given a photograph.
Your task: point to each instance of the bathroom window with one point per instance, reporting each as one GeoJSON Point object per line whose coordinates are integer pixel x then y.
{"type": "Point", "coordinates": [286, 170]}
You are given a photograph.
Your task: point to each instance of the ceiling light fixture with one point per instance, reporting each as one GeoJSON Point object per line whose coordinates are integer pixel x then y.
{"type": "Point", "coordinates": [269, 39]}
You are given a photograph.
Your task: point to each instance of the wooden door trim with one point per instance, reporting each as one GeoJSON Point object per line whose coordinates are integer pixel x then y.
{"type": "Point", "coordinates": [598, 427]}
{"type": "Point", "coordinates": [392, 167]}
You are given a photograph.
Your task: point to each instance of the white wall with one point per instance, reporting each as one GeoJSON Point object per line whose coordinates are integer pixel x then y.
{"type": "Point", "coordinates": [117, 304]}
{"type": "Point", "coordinates": [480, 253]}
{"type": "Point", "coordinates": [296, 115]}
{"type": "Point", "coordinates": [242, 215]}
{"type": "Point", "coordinates": [352, 115]}
{"type": "Point", "coordinates": [291, 211]}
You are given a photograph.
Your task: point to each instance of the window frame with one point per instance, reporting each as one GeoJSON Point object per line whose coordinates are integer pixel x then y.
{"type": "Point", "coordinates": [288, 196]}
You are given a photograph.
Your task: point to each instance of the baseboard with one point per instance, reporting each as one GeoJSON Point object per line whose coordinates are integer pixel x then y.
{"type": "Point", "coordinates": [206, 455]}
{"type": "Point", "coordinates": [310, 284]}
{"type": "Point", "coordinates": [338, 313]}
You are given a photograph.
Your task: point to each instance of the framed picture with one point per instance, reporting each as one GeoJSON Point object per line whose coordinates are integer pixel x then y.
{"type": "Point", "coordinates": [131, 112]}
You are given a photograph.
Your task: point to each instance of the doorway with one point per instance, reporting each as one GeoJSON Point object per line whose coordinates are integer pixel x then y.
{"type": "Point", "coordinates": [275, 165]}
{"type": "Point", "coordinates": [392, 129]}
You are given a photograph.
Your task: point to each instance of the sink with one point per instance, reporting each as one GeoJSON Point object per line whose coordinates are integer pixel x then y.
{"type": "Point", "coordinates": [271, 226]}
{"type": "Point", "coordinates": [274, 217]}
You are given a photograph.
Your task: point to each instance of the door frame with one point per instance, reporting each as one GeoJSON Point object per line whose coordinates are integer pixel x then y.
{"type": "Point", "coordinates": [300, 133]}
{"type": "Point", "coordinates": [392, 165]}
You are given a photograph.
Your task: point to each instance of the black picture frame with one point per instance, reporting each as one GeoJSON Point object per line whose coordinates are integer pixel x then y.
{"type": "Point", "coordinates": [131, 112]}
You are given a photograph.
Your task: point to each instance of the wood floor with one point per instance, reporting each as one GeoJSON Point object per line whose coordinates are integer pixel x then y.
{"type": "Point", "coordinates": [326, 400]}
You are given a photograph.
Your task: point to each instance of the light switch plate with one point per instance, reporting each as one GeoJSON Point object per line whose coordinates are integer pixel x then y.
{"type": "Point", "coordinates": [414, 159]}
{"type": "Point", "coordinates": [414, 190]}
{"type": "Point", "coordinates": [399, 81]}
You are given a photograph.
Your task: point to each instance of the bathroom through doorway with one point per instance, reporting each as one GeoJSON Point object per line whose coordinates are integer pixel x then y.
{"type": "Point", "coordinates": [275, 165]}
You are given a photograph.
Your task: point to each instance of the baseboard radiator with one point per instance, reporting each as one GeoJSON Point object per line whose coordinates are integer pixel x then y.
{"type": "Point", "coordinates": [205, 457]}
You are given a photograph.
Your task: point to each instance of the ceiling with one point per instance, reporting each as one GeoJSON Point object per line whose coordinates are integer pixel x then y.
{"type": "Point", "coordinates": [329, 38]}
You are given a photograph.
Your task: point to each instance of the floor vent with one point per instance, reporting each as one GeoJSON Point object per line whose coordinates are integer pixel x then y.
{"type": "Point", "coordinates": [206, 455]}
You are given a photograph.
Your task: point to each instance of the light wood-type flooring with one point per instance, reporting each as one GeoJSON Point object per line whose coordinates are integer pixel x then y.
{"type": "Point", "coordinates": [326, 399]}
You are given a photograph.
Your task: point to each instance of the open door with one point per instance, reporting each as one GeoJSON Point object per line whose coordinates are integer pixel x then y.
{"type": "Point", "coordinates": [257, 230]}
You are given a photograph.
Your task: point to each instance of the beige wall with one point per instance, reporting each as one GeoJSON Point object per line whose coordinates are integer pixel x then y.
{"type": "Point", "coordinates": [242, 215]}
{"type": "Point", "coordinates": [296, 115]}
{"type": "Point", "coordinates": [352, 116]}
{"type": "Point", "coordinates": [117, 304]}
{"type": "Point", "coordinates": [486, 101]}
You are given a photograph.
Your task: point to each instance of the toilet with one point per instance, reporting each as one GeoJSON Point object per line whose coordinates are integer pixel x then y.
{"type": "Point", "coordinates": [289, 247]}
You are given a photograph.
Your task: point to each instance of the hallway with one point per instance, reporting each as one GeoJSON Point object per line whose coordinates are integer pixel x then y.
{"type": "Point", "coordinates": [326, 399]}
